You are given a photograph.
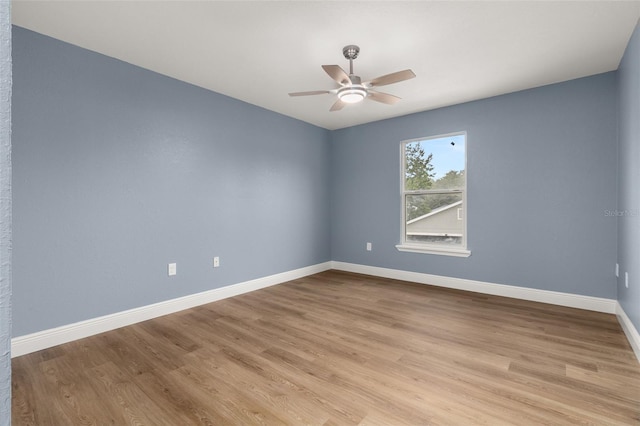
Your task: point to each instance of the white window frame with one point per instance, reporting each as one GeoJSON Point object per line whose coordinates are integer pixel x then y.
{"type": "Point", "coordinates": [418, 247]}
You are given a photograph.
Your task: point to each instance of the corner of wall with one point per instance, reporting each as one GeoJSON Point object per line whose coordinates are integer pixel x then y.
{"type": "Point", "coordinates": [629, 330]}
{"type": "Point", "coordinates": [5, 212]}
{"type": "Point", "coordinates": [628, 207]}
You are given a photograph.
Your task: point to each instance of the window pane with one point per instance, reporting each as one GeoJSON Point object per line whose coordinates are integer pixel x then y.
{"type": "Point", "coordinates": [434, 163]}
{"type": "Point", "coordinates": [434, 218]}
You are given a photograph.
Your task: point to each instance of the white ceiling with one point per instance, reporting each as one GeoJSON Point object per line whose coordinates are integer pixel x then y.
{"type": "Point", "coordinates": [260, 51]}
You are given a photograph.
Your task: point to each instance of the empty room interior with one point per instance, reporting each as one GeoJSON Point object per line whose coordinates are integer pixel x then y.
{"type": "Point", "coordinates": [323, 213]}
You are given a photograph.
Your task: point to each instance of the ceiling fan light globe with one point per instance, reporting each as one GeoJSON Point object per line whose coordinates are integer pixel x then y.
{"type": "Point", "coordinates": [352, 95]}
{"type": "Point", "coordinates": [352, 98]}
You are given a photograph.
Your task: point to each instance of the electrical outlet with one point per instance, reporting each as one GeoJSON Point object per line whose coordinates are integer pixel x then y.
{"type": "Point", "coordinates": [369, 246]}
{"type": "Point", "coordinates": [171, 269]}
{"type": "Point", "coordinates": [617, 270]}
{"type": "Point", "coordinates": [626, 279]}
{"type": "Point", "coordinates": [216, 262]}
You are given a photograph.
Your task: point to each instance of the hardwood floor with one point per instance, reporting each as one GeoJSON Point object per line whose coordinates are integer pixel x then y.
{"type": "Point", "coordinates": [341, 349]}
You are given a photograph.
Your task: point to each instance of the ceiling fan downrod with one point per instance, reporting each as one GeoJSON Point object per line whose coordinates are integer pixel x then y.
{"type": "Point", "coordinates": [351, 52]}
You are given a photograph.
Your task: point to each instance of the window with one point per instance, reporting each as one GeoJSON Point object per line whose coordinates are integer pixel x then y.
{"type": "Point", "coordinates": [434, 187]}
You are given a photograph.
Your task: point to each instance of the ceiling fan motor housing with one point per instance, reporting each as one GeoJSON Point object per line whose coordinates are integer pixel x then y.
{"type": "Point", "coordinates": [351, 51]}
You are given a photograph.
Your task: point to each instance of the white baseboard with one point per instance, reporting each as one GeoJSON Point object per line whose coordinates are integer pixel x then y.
{"type": "Point", "coordinates": [629, 330]}
{"type": "Point", "coordinates": [23, 345]}
{"type": "Point", "coordinates": [47, 338]}
{"type": "Point", "coordinates": [545, 296]}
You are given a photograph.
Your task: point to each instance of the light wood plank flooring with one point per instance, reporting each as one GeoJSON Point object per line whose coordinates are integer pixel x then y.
{"type": "Point", "coordinates": [341, 349]}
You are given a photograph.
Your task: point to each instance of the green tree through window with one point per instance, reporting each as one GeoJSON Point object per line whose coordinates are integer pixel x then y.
{"type": "Point", "coordinates": [419, 170]}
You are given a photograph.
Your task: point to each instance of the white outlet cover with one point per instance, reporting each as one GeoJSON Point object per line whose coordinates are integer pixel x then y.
{"type": "Point", "coordinates": [172, 269]}
{"type": "Point", "coordinates": [216, 262]}
{"type": "Point", "coordinates": [626, 279]}
{"type": "Point", "coordinates": [617, 270]}
{"type": "Point", "coordinates": [369, 247]}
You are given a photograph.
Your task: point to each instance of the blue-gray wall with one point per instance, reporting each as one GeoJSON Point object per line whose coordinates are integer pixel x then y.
{"type": "Point", "coordinates": [541, 167]}
{"type": "Point", "coordinates": [119, 171]}
{"type": "Point", "coordinates": [629, 179]}
{"type": "Point", "coordinates": [5, 213]}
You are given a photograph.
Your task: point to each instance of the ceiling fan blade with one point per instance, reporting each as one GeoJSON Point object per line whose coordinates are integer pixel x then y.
{"type": "Point", "coordinates": [337, 73]}
{"type": "Point", "coordinates": [384, 98]}
{"type": "Point", "coordinates": [337, 106]}
{"type": "Point", "coordinates": [391, 78]}
{"type": "Point", "coordinates": [315, 92]}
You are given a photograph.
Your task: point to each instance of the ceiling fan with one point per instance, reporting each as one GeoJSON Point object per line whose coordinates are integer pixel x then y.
{"type": "Point", "coordinates": [352, 90]}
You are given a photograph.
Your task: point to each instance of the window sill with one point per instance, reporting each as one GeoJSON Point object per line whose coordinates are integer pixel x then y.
{"type": "Point", "coordinates": [444, 251]}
